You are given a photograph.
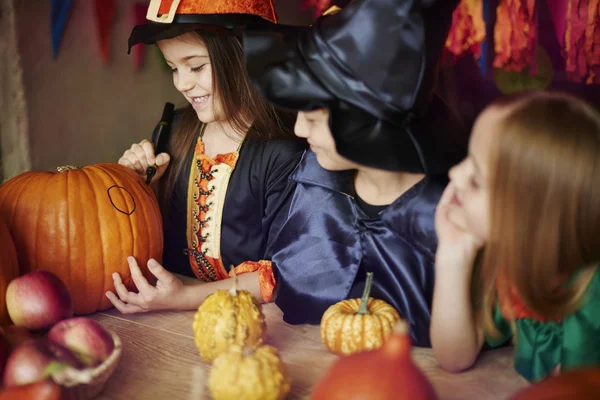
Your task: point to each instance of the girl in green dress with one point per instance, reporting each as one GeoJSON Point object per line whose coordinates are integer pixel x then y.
{"type": "Point", "coordinates": [524, 209]}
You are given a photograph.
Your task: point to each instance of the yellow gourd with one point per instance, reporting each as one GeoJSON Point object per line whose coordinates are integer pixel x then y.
{"type": "Point", "coordinates": [371, 322]}
{"type": "Point", "coordinates": [225, 318]}
{"type": "Point", "coordinates": [249, 374]}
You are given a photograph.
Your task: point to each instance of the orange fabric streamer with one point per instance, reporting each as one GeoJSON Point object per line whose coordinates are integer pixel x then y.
{"type": "Point", "coordinates": [467, 32]}
{"type": "Point", "coordinates": [582, 41]}
{"type": "Point", "coordinates": [265, 276]}
{"type": "Point", "coordinates": [515, 35]}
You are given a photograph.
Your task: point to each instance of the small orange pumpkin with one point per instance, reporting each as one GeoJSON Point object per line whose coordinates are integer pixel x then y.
{"type": "Point", "coordinates": [370, 324]}
{"type": "Point", "coordinates": [81, 224]}
{"type": "Point", "coordinates": [387, 373]}
{"type": "Point", "coordinates": [9, 269]}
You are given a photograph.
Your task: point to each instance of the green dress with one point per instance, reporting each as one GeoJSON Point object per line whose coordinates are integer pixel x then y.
{"type": "Point", "coordinates": [573, 342]}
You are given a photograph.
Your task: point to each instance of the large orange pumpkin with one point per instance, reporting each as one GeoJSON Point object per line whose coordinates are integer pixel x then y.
{"type": "Point", "coordinates": [9, 269]}
{"type": "Point", "coordinates": [387, 373]}
{"type": "Point", "coordinates": [580, 384]}
{"type": "Point", "coordinates": [81, 224]}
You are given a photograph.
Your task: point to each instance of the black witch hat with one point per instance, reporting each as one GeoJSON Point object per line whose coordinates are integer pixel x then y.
{"type": "Point", "coordinates": [374, 65]}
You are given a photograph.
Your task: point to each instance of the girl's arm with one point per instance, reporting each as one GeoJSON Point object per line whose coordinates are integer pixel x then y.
{"type": "Point", "coordinates": [455, 338]}
{"type": "Point", "coordinates": [170, 293]}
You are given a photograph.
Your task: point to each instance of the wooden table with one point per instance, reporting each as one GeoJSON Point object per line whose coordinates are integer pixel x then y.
{"type": "Point", "coordinates": [160, 360]}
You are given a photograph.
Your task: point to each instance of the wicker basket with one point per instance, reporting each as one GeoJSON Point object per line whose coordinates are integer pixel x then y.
{"type": "Point", "coordinates": [87, 383]}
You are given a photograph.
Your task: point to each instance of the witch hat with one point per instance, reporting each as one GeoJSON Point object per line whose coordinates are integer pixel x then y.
{"type": "Point", "coordinates": [374, 65]}
{"type": "Point", "coordinates": [171, 18]}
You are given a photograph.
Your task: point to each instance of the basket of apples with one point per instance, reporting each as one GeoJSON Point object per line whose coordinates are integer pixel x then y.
{"type": "Point", "coordinates": [48, 346]}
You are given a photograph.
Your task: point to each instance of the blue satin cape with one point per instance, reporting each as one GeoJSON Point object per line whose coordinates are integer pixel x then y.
{"type": "Point", "coordinates": [327, 244]}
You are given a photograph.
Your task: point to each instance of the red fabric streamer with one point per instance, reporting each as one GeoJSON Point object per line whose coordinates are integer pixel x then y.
{"type": "Point", "coordinates": [105, 12]}
{"type": "Point", "coordinates": [515, 35]}
{"type": "Point", "coordinates": [467, 32]}
{"type": "Point", "coordinates": [582, 41]}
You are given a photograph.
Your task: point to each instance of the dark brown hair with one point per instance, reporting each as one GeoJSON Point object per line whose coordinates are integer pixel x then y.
{"type": "Point", "coordinates": [544, 205]}
{"type": "Point", "coordinates": [240, 103]}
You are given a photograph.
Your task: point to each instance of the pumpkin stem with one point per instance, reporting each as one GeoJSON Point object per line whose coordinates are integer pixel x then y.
{"type": "Point", "coordinates": [64, 168]}
{"type": "Point", "coordinates": [364, 300]}
{"type": "Point", "coordinates": [234, 288]}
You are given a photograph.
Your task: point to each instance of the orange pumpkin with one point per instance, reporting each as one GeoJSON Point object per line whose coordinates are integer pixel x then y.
{"type": "Point", "coordinates": [387, 373]}
{"type": "Point", "coordinates": [81, 224]}
{"type": "Point", "coordinates": [580, 384]}
{"type": "Point", "coordinates": [9, 269]}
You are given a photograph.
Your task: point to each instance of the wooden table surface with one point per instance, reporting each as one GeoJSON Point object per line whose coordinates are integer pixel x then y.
{"type": "Point", "coordinates": [160, 361]}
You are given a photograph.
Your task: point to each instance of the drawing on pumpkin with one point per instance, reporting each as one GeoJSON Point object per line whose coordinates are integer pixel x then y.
{"type": "Point", "coordinates": [112, 201]}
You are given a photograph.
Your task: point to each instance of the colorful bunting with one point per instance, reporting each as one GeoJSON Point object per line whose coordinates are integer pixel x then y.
{"type": "Point", "coordinates": [105, 12]}
{"type": "Point", "coordinates": [61, 9]}
{"type": "Point", "coordinates": [139, 18]}
{"type": "Point", "coordinates": [467, 31]}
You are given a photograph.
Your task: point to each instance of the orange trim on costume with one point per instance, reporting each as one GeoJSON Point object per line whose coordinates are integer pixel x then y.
{"type": "Point", "coordinates": [509, 298]}
{"type": "Point", "coordinates": [263, 8]}
{"type": "Point", "coordinates": [265, 276]}
{"type": "Point", "coordinates": [214, 269]}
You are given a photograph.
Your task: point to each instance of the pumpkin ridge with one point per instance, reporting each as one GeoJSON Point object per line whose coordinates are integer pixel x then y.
{"type": "Point", "coordinates": [113, 178]}
{"type": "Point", "coordinates": [13, 215]}
{"type": "Point", "coordinates": [79, 176]}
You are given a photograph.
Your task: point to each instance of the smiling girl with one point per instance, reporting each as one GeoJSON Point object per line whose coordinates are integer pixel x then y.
{"type": "Point", "coordinates": [224, 176]}
{"type": "Point", "coordinates": [519, 238]}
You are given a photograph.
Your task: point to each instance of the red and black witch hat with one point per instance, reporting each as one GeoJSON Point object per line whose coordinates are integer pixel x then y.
{"type": "Point", "coordinates": [171, 18]}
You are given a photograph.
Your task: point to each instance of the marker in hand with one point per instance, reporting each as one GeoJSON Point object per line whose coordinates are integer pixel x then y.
{"type": "Point", "coordinates": [159, 137]}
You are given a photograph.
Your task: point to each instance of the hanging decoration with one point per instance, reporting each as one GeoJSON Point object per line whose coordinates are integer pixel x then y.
{"type": "Point", "coordinates": [582, 41]}
{"type": "Point", "coordinates": [515, 35]}
{"type": "Point", "coordinates": [105, 13]}
{"type": "Point", "coordinates": [488, 32]}
{"type": "Point", "coordinates": [139, 18]}
{"type": "Point", "coordinates": [509, 82]}
{"type": "Point", "coordinates": [60, 11]}
{"type": "Point", "coordinates": [319, 6]}
{"type": "Point", "coordinates": [467, 31]}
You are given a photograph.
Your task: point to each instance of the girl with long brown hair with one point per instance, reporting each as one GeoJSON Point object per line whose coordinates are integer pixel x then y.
{"type": "Point", "coordinates": [224, 176]}
{"type": "Point", "coordinates": [519, 238]}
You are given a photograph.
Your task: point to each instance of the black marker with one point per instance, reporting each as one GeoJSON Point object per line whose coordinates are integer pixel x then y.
{"type": "Point", "coordinates": [159, 137]}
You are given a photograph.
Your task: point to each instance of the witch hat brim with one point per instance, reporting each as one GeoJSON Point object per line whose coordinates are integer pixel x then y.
{"type": "Point", "coordinates": [374, 65]}
{"type": "Point", "coordinates": [171, 18]}
{"type": "Point", "coordinates": [152, 32]}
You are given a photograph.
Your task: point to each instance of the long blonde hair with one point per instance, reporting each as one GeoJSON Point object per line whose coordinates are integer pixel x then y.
{"type": "Point", "coordinates": [545, 204]}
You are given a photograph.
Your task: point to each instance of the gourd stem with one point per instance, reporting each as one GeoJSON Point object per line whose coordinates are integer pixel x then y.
{"type": "Point", "coordinates": [233, 290]}
{"type": "Point", "coordinates": [364, 301]}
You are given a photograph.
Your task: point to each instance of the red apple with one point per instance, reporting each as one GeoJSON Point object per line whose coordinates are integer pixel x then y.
{"type": "Point", "coordinates": [29, 362]}
{"type": "Point", "coordinates": [15, 335]}
{"type": "Point", "coordinates": [38, 300]}
{"type": "Point", "coordinates": [85, 337]}
{"type": "Point", "coordinates": [41, 390]}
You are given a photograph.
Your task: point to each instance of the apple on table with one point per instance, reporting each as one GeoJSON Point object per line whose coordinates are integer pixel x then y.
{"type": "Point", "coordinates": [35, 360]}
{"type": "Point", "coordinates": [38, 300]}
{"type": "Point", "coordinates": [89, 340]}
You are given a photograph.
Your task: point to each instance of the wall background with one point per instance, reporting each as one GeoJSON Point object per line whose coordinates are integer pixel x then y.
{"type": "Point", "coordinates": [75, 109]}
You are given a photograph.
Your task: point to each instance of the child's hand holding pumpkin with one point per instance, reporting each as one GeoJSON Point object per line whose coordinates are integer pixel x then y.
{"type": "Point", "coordinates": [165, 295]}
